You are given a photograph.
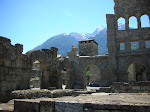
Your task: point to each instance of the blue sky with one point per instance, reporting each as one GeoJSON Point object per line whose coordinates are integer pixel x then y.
{"type": "Point", "coordinates": [32, 22]}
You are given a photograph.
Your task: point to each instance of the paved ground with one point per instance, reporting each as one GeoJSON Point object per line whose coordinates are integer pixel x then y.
{"type": "Point", "coordinates": [109, 98]}
{"type": "Point", "coordinates": [7, 106]}
{"type": "Point", "coordinates": [96, 98]}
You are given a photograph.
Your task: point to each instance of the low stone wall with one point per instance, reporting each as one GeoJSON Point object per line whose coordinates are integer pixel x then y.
{"type": "Point", "coordinates": [32, 94]}
{"type": "Point", "coordinates": [131, 87]}
{"type": "Point", "coordinates": [55, 106]}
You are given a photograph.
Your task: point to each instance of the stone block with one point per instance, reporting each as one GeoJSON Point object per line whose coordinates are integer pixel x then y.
{"type": "Point", "coordinates": [145, 88]}
{"type": "Point", "coordinates": [47, 106]}
{"type": "Point", "coordinates": [5, 70]}
{"type": "Point", "coordinates": [26, 106]}
{"type": "Point", "coordinates": [136, 87]}
{"type": "Point", "coordinates": [13, 63]}
{"type": "Point", "coordinates": [68, 107]}
{"type": "Point", "coordinates": [144, 83]}
{"type": "Point", "coordinates": [18, 63]}
{"type": "Point", "coordinates": [7, 63]}
{"type": "Point", "coordinates": [1, 61]}
{"type": "Point", "coordinates": [105, 89]}
{"type": "Point", "coordinates": [139, 108]}
{"type": "Point", "coordinates": [118, 111]}
{"type": "Point", "coordinates": [1, 69]}
{"type": "Point", "coordinates": [77, 87]}
{"type": "Point", "coordinates": [89, 110]}
{"type": "Point", "coordinates": [51, 88]}
{"type": "Point", "coordinates": [123, 87]}
{"type": "Point", "coordinates": [12, 70]}
{"type": "Point", "coordinates": [104, 106]}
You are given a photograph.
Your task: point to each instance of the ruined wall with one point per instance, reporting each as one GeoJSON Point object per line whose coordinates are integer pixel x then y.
{"type": "Point", "coordinates": [120, 60]}
{"type": "Point", "coordinates": [125, 61]}
{"type": "Point", "coordinates": [114, 67]}
{"type": "Point", "coordinates": [101, 62]}
{"type": "Point", "coordinates": [88, 48]}
{"type": "Point", "coordinates": [128, 8]}
{"type": "Point", "coordinates": [15, 69]}
{"type": "Point", "coordinates": [131, 87]}
{"type": "Point", "coordinates": [49, 66]}
{"type": "Point", "coordinates": [69, 106]}
{"type": "Point", "coordinates": [78, 66]}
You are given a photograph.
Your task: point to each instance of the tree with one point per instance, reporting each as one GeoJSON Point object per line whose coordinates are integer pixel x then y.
{"type": "Point", "coordinates": [88, 75]}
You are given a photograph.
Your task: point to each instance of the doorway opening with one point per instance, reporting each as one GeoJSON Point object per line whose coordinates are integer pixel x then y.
{"type": "Point", "coordinates": [36, 76]}
{"type": "Point", "coordinates": [136, 72]}
{"type": "Point", "coordinates": [63, 77]}
{"type": "Point", "coordinates": [93, 77]}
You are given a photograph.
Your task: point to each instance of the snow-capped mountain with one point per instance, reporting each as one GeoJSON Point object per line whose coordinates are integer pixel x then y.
{"type": "Point", "coordinates": [64, 42]}
{"type": "Point", "coordinates": [80, 36]}
{"type": "Point", "coordinates": [84, 36]}
{"type": "Point", "coordinates": [98, 30]}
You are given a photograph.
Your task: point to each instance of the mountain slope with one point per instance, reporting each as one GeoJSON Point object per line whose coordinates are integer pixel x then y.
{"type": "Point", "coordinates": [64, 42]}
{"type": "Point", "coordinates": [101, 39]}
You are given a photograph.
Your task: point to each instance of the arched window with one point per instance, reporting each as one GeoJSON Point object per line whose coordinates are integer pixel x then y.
{"type": "Point", "coordinates": [121, 23]}
{"type": "Point", "coordinates": [145, 22]}
{"type": "Point", "coordinates": [133, 23]}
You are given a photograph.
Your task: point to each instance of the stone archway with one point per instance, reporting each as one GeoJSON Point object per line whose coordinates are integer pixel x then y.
{"type": "Point", "coordinates": [136, 72]}
{"type": "Point", "coordinates": [92, 75]}
{"type": "Point", "coordinates": [66, 75]}
{"type": "Point", "coordinates": [37, 74]}
{"type": "Point", "coordinates": [42, 58]}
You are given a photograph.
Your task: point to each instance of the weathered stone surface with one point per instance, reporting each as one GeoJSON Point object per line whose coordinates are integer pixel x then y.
{"type": "Point", "coordinates": [32, 94]}
{"type": "Point", "coordinates": [112, 102]}
{"type": "Point", "coordinates": [119, 65]}
{"type": "Point", "coordinates": [128, 65]}
{"type": "Point", "coordinates": [139, 108]}
{"type": "Point", "coordinates": [68, 107]}
{"type": "Point", "coordinates": [88, 47]}
{"type": "Point", "coordinates": [127, 57]}
{"type": "Point", "coordinates": [25, 106]}
{"type": "Point", "coordinates": [16, 68]}
{"type": "Point", "coordinates": [131, 87]}
{"type": "Point", "coordinates": [136, 87]}
{"type": "Point", "coordinates": [47, 106]}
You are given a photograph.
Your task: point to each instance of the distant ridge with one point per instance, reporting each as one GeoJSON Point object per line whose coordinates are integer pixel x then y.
{"type": "Point", "coordinates": [64, 42]}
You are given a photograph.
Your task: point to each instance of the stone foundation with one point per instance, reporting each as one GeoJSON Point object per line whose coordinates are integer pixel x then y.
{"type": "Point", "coordinates": [55, 106]}
{"type": "Point", "coordinates": [131, 87]}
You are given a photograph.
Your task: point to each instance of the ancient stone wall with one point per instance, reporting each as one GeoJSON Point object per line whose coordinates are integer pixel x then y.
{"type": "Point", "coordinates": [49, 66]}
{"type": "Point", "coordinates": [124, 63]}
{"type": "Point", "coordinates": [131, 87]}
{"type": "Point", "coordinates": [88, 48]}
{"type": "Point", "coordinates": [71, 106]}
{"type": "Point", "coordinates": [120, 60]}
{"type": "Point", "coordinates": [127, 64]}
{"type": "Point", "coordinates": [101, 63]}
{"type": "Point", "coordinates": [78, 66]}
{"type": "Point", "coordinates": [128, 8]}
{"type": "Point", "coordinates": [16, 68]}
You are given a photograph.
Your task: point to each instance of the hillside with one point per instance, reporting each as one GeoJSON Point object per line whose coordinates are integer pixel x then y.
{"type": "Point", "coordinates": [64, 42]}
